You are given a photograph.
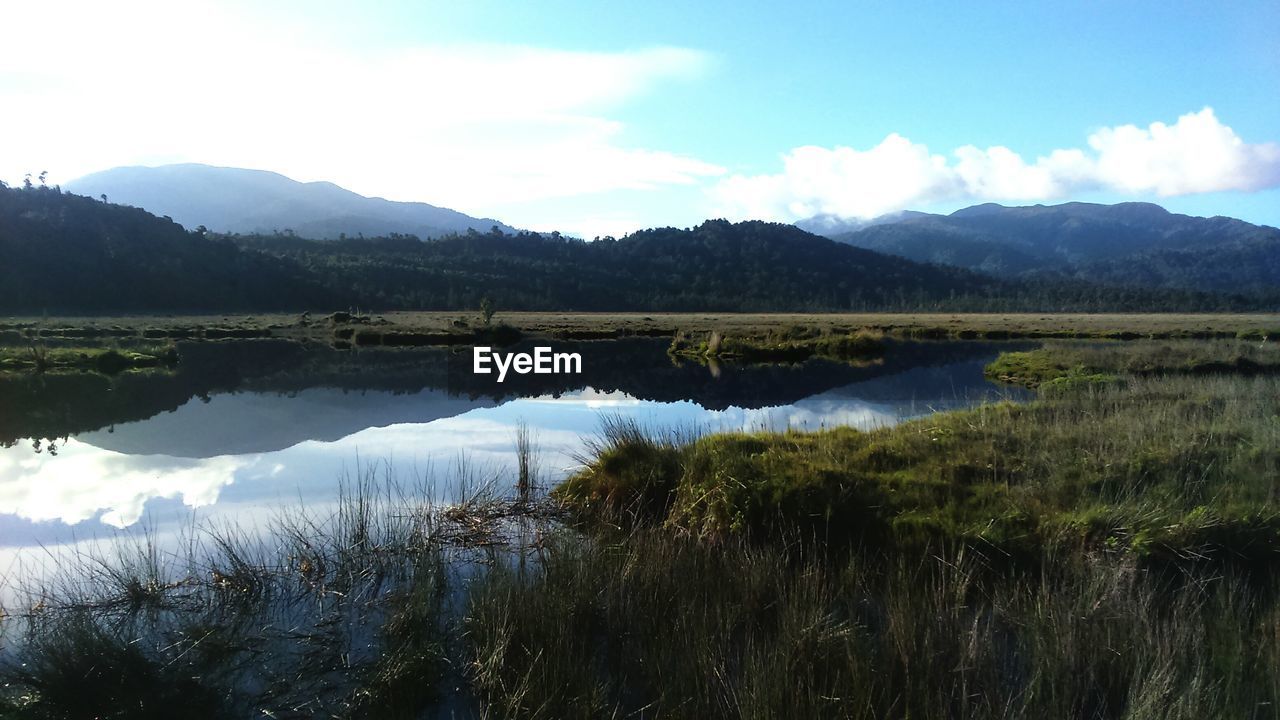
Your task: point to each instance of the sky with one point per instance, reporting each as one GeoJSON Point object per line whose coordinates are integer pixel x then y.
{"type": "Point", "coordinates": [600, 118]}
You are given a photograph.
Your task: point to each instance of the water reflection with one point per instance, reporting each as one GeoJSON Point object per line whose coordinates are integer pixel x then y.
{"type": "Point", "coordinates": [285, 436]}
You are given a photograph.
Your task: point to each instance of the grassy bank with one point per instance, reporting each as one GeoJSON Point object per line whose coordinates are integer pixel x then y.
{"type": "Point", "coordinates": [1106, 551]}
{"type": "Point", "coordinates": [1176, 467]}
{"type": "Point", "coordinates": [792, 344]}
{"type": "Point", "coordinates": [39, 358]}
{"type": "Point", "coordinates": [1061, 364]}
{"type": "Point", "coordinates": [571, 325]}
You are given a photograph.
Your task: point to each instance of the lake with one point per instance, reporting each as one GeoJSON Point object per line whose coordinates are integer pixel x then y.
{"type": "Point", "coordinates": [240, 430]}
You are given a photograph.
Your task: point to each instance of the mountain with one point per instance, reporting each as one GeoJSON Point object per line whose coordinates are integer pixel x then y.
{"type": "Point", "coordinates": [68, 254]}
{"type": "Point", "coordinates": [1124, 244]}
{"type": "Point", "coordinates": [235, 200]}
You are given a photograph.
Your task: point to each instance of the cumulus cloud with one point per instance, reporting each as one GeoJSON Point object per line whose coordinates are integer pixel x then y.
{"type": "Point", "coordinates": [90, 85]}
{"type": "Point", "coordinates": [1195, 154]}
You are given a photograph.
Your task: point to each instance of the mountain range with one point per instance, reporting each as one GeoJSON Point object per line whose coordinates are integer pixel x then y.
{"type": "Point", "coordinates": [69, 254]}
{"type": "Point", "coordinates": [1122, 245]}
{"type": "Point", "coordinates": [85, 251]}
{"type": "Point", "coordinates": [236, 200]}
{"type": "Point", "coordinates": [1136, 244]}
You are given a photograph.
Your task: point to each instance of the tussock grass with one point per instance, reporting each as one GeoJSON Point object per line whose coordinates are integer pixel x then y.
{"type": "Point", "coordinates": [1107, 551]}
{"type": "Point", "coordinates": [655, 624]}
{"type": "Point", "coordinates": [1180, 467]}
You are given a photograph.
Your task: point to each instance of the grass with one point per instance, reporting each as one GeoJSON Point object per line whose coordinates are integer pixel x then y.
{"type": "Point", "coordinates": [1106, 551]}
{"type": "Point", "coordinates": [792, 344]}
{"type": "Point", "coordinates": [655, 624]}
{"type": "Point", "coordinates": [1062, 363]}
{"type": "Point", "coordinates": [39, 358]}
{"type": "Point", "coordinates": [1159, 465]}
{"type": "Point", "coordinates": [606, 325]}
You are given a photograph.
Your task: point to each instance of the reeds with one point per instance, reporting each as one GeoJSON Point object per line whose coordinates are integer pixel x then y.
{"type": "Point", "coordinates": [526, 462]}
{"type": "Point", "coordinates": [336, 611]}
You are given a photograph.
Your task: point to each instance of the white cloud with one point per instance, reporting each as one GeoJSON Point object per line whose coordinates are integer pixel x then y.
{"type": "Point", "coordinates": [89, 85]}
{"type": "Point", "coordinates": [1196, 154]}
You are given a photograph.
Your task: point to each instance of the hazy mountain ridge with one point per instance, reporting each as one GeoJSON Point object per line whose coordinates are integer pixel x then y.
{"type": "Point", "coordinates": [1125, 244]}
{"type": "Point", "coordinates": [236, 200]}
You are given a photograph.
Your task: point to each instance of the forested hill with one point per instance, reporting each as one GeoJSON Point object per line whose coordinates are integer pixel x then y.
{"type": "Point", "coordinates": [715, 266]}
{"type": "Point", "coordinates": [748, 266]}
{"type": "Point", "coordinates": [61, 253]}
{"type": "Point", "coordinates": [64, 253]}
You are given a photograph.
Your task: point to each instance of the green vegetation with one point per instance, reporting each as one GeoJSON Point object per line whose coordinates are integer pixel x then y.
{"type": "Point", "coordinates": [656, 624]}
{"type": "Point", "coordinates": [793, 344]}
{"type": "Point", "coordinates": [66, 253]}
{"type": "Point", "coordinates": [595, 326]}
{"type": "Point", "coordinates": [1054, 365]}
{"type": "Point", "coordinates": [500, 334]}
{"type": "Point", "coordinates": [1170, 467]}
{"type": "Point", "coordinates": [487, 309]}
{"type": "Point", "coordinates": [1107, 551]}
{"type": "Point", "coordinates": [105, 360]}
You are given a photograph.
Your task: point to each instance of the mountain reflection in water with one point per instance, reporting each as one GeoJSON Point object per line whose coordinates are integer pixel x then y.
{"type": "Point", "coordinates": [243, 428]}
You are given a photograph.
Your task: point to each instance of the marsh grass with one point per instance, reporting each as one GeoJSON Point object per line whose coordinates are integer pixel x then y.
{"type": "Point", "coordinates": [1072, 363]}
{"type": "Point", "coordinates": [662, 625]}
{"type": "Point", "coordinates": [788, 344]}
{"type": "Point", "coordinates": [334, 611]}
{"type": "Point", "coordinates": [527, 466]}
{"type": "Point", "coordinates": [1106, 551]}
{"type": "Point", "coordinates": [1178, 466]}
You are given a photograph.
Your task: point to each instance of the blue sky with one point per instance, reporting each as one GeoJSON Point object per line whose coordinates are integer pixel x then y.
{"type": "Point", "coordinates": [599, 119]}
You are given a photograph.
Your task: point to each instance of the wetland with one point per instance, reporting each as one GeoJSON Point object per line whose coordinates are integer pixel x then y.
{"type": "Point", "coordinates": [1041, 518]}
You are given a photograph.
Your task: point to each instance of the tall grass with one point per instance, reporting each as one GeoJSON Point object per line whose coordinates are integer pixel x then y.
{"type": "Point", "coordinates": [1107, 551]}
{"type": "Point", "coordinates": [526, 462]}
{"type": "Point", "coordinates": [661, 625]}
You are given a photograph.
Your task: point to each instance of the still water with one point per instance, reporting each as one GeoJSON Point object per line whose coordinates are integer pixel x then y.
{"type": "Point", "coordinates": [241, 430]}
